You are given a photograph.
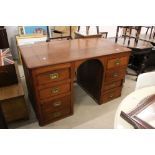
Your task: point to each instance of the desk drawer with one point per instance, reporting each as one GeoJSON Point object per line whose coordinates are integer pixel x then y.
{"type": "Point", "coordinates": [51, 117]}
{"type": "Point", "coordinates": [111, 94]}
{"type": "Point", "coordinates": [56, 104]}
{"type": "Point", "coordinates": [54, 90]}
{"type": "Point", "coordinates": [53, 76]}
{"type": "Point", "coordinates": [112, 85]}
{"type": "Point", "coordinates": [117, 62]}
{"type": "Point", "coordinates": [114, 75]}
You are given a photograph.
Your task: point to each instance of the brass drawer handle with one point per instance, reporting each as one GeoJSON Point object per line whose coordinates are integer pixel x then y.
{"type": "Point", "coordinates": [111, 96]}
{"type": "Point", "coordinates": [55, 90]}
{"type": "Point", "coordinates": [117, 62]}
{"type": "Point", "coordinates": [57, 114]}
{"type": "Point", "coordinates": [113, 85]}
{"type": "Point", "coordinates": [54, 76]}
{"type": "Point", "coordinates": [57, 104]}
{"type": "Point", "coordinates": [115, 75]}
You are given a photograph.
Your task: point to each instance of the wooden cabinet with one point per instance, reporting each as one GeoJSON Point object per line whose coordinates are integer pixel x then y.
{"type": "Point", "coordinates": [99, 65]}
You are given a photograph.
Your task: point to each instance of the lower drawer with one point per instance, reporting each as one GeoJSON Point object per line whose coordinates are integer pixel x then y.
{"type": "Point", "coordinates": [111, 94]}
{"type": "Point", "coordinates": [111, 85]}
{"type": "Point", "coordinates": [54, 116]}
{"type": "Point", "coordinates": [56, 104]}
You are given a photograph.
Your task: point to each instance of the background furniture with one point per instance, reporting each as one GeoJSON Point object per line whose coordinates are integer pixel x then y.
{"type": "Point", "coordinates": [140, 52]}
{"type": "Point", "coordinates": [49, 72]}
{"type": "Point", "coordinates": [3, 39]}
{"type": "Point", "coordinates": [7, 68]}
{"type": "Point", "coordinates": [129, 103]}
{"type": "Point", "coordinates": [13, 103]}
{"type": "Point", "coordinates": [87, 34]}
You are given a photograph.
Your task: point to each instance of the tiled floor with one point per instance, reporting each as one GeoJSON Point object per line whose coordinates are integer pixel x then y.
{"type": "Point", "coordinates": [87, 113]}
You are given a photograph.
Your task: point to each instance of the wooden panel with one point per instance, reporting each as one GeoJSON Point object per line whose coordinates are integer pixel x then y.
{"type": "Point", "coordinates": [14, 109]}
{"type": "Point", "coordinates": [53, 76]}
{"type": "Point", "coordinates": [56, 104]}
{"type": "Point", "coordinates": [11, 91]}
{"type": "Point", "coordinates": [55, 90]}
{"type": "Point", "coordinates": [115, 74]}
{"type": "Point", "coordinates": [112, 85]}
{"type": "Point", "coordinates": [111, 94]}
{"type": "Point", "coordinates": [117, 62]}
{"type": "Point", "coordinates": [8, 75]}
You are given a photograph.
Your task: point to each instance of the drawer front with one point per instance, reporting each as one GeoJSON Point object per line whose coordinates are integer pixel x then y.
{"type": "Point", "coordinates": [54, 90]}
{"type": "Point", "coordinates": [111, 94]}
{"type": "Point", "coordinates": [112, 85]}
{"type": "Point", "coordinates": [53, 76]}
{"type": "Point", "coordinates": [117, 62]}
{"type": "Point", "coordinates": [114, 75]}
{"type": "Point", "coordinates": [54, 116]}
{"type": "Point", "coordinates": [56, 104]}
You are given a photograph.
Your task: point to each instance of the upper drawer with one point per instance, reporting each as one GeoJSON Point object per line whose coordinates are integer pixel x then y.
{"type": "Point", "coordinates": [51, 76]}
{"type": "Point", "coordinates": [116, 62]}
{"type": "Point", "coordinates": [54, 90]}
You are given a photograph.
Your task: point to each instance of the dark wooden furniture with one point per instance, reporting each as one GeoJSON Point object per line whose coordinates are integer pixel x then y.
{"type": "Point", "coordinates": [50, 70]}
{"type": "Point", "coordinates": [3, 39]}
{"type": "Point", "coordinates": [140, 52]}
{"type": "Point", "coordinates": [13, 103]}
{"type": "Point", "coordinates": [128, 32]}
{"type": "Point", "coordinates": [8, 74]}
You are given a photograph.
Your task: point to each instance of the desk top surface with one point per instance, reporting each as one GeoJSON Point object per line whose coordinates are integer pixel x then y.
{"type": "Point", "coordinates": [56, 52]}
{"type": "Point", "coordinates": [141, 44]}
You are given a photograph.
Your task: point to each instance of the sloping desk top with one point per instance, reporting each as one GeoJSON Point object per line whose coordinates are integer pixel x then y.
{"type": "Point", "coordinates": [56, 52]}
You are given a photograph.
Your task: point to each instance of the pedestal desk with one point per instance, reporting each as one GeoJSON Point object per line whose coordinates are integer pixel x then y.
{"type": "Point", "coordinates": [50, 70]}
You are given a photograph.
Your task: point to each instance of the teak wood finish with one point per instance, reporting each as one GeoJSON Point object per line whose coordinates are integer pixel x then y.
{"type": "Point", "coordinates": [50, 71]}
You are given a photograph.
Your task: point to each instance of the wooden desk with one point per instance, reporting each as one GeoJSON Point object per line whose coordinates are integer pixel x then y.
{"type": "Point", "coordinates": [50, 69]}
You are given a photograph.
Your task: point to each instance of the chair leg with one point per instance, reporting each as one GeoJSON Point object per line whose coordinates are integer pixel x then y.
{"type": "Point", "coordinates": [117, 34]}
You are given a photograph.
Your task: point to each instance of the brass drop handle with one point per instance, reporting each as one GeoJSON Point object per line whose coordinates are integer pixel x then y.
{"type": "Point", "coordinates": [115, 75]}
{"type": "Point", "coordinates": [55, 90]}
{"type": "Point", "coordinates": [57, 114]}
{"type": "Point", "coordinates": [111, 96]}
{"type": "Point", "coordinates": [117, 62]}
{"type": "Point", "coordinates": [57, 104]}
{"type": "Point", "coordinates": [113, 85]}
{"type": "Point", "coordinates": [54, 76]}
